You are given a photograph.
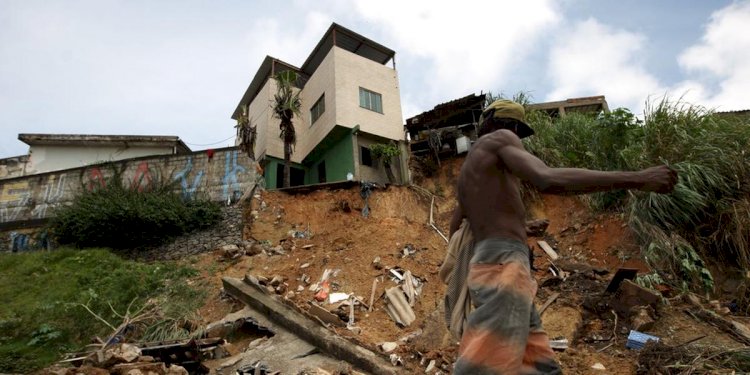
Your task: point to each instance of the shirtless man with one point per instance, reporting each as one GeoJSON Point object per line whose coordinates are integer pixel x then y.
{"type": "Point", "coordinates": [504, 334]}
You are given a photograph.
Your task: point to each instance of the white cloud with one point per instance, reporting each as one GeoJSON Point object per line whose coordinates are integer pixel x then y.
{"type": "Point", "coordinates": [457, 48]}
{"type": "Point", "coordinates": [721, 60]}
{"type": "Point", "coordinates": [594, 59]}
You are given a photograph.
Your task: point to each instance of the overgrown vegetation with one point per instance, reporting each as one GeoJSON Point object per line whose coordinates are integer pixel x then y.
{"type": "Point", "coordinates": [385, 152]}
{"type": "Point", "coordinates": [118, 216]}
{"type": "Point", "coordinates": [707, 217]}
{"type": "Point", "coordinates": [43, 316]}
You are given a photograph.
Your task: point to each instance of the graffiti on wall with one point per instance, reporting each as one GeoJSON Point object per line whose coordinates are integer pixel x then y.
{"type": "Point", "coordinates": [13, 198]}
{"type": "Point", "coordinates": [28, 240]}
{"type": "Point", "coordinates": [231, 177]}
{"type": "Point", "coordinates": [54, 190]}
{"type": "Point", "coordinates": [188, 189]}
{"type": "Point", "coordinates": [35, 196]}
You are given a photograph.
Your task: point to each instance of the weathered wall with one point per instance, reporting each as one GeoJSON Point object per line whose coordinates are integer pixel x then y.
{"type": "Point", "coordinates": [48, 158]}
{"type": "Point", "coordinates": [14, 166]}
{"type": "Point", "coordinates": [222, 175]}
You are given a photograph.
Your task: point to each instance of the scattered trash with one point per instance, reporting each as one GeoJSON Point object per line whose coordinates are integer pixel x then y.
{"type": "Point", "coordinates": [396, 360]}
{"type": "Point", "coordinates": [365, 190]}
{"type": "Point", "coordinates": [304, 265]}
{"type": "Point", "coordinates": [338, 297]}
{"type": "Point", "coordinates": [408, 250]}
{"type": "Point", "coordinates": [307, 246]}
{"type": "Point", "coordinates": [560, 344]}
{"type": "Point", "coordinates": [636, 340]}
{"type": "Point", "coordinates": [548, 250]}
{"type": "Point", "coordinates": [430, 366]}
{"type": "Point", "coordinates": [398, 307]}
{"type": "Point", "coordinates": [411, 336]}
{"type": "Point", "coordinates": [376, 263]}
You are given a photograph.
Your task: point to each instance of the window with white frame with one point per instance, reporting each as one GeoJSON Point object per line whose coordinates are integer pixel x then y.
{"type": "Point", "coordinates": [370, 100]}
{"type": "Point", "coordinates": [317, 109]}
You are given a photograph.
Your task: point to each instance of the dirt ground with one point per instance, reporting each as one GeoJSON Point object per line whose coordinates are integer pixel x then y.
{"type": "Point", "coordinates": [338, 237]}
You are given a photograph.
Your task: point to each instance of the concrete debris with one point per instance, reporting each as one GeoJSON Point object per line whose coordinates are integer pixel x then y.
{"type": "Point", "coordinates": [388, 347]}
{"type": "Point", "coordinates": [324, 315]}
{"type": "Point", "coordinates": [304, 265]}
{"type": "Point", "coordinates": [620, 275]}
{"type": "Point", "coordinates": [430, 367]}
{"type": "Point", "coordinates": [376, 263]}
{"type": "Point", "coordinates": [598, 366]}
{"type": "Point", "coordinates": [641, 318]}
{"type": "Point", "coordinates": [121, 353]}
{"type": "Point", "coordinates": [410, 337]}
{"type": "Point", "coordinates": [630, 295]}
{"type": "Point", "coordinates": [307, 246]}
{"type": "Point", "coordinates": [398, 307]}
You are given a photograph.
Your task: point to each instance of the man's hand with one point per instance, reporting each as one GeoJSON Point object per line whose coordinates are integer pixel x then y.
{"type": "Point", "coordinates": [661, 179]}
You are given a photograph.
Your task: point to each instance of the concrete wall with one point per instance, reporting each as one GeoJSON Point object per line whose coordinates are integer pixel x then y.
{"type": "Point", "coordinates": [377, 172]}
{"type": "Point", "coordinates": [44, 158]}
{"type": "Point", "coordinates": [14, 166]}
{"type": "Point", "coordinates": [309, 134]}
{"type": "Point", "coordinates": [353, 72]}
{"type": "Point", "coordinates": [339, 161]}
{"type": "Point", "coordinates": [261, 116]}
{"type": "Point", "coordinates": [223, 176]}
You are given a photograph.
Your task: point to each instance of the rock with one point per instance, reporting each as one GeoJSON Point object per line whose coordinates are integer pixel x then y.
{"type": "Point", "coordinates": [641, 318]}
{"type": "Point", "coordinates": [157, 368]}
{"type": "Point", "coordinates": [146, 358]}
{"type": "Point", "coordinates": [598, 366]}
{"type": "Point", "coordinates": [692, 299]}
{"type": "Point", "coordinates": [276, 280]}
{"type": "Point", "coordinates": [376, 263]}
{"type": "Point", "coordinates": [176, 370]}
{"type": "Point", "coordinates": [388, 347]}
{"type": "Point", "coordinates": [630, 295]}
{"type": "Point", "coordinates": [121, 353]}
{"type": "Point", "coordinates": [536, 228]}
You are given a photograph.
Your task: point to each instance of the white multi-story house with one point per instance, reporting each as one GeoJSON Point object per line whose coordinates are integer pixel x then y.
{"type": "Point", "coordinates": [350, 100]}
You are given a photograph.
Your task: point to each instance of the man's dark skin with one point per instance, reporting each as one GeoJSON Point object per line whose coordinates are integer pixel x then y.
{"type": "Point", "coordinates": [489, 185]}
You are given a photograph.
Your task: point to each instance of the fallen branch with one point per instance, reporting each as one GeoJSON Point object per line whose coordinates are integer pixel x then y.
{"type": "Point", "coordinates": [547, 303]}
{"type": "Point", "coordinates": [738, 331]}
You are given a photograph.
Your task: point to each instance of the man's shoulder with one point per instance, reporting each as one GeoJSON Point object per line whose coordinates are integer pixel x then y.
{"type": "Point", "coordinates": [497, 138]}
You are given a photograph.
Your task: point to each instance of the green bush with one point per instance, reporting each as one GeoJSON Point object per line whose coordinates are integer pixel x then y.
{"type": "Point", "coordinates": [705, 220]}
{"type": "Point", "coordinates": [118, 217]}
{"type": "Point", "coordinates": [43, 293]}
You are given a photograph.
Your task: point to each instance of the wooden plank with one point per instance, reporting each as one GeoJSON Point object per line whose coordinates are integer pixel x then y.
{"type": "Point", "coordinates": [548, 249]}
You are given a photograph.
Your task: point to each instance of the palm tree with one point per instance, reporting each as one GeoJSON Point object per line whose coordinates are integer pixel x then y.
{"type": "Point", "coordinates": [286, 104]}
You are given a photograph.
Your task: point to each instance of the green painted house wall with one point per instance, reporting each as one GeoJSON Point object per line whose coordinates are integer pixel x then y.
{"type": "Point", "coordinates": [338, 159]}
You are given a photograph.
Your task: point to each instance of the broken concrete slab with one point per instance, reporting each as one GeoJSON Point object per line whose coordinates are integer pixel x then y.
{"type": "Point", "coordinates": [630, 295]}
{"type": "Point", "coordinates": [305, 328]}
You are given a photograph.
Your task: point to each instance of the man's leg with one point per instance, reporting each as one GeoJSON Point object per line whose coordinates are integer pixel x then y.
{"type": "Point", "coordinates": [539, 358]}
{"type": "Point", "coordinates": [495, 339]}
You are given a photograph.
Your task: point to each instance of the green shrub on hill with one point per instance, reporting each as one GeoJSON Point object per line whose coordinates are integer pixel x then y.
{"type": "Point", "coordinates": [43, 293]}
{"type": "Point", "coordinates": [705, 220]}
{"type": "Point", "coordinates": [118, 217]}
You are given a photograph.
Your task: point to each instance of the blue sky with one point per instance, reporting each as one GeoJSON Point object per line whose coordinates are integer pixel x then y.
{"type": "Point", "coordinates": [180, 67]}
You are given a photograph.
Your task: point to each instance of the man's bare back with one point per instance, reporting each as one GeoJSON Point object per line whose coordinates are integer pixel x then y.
{"type": "Point", "coordinates": [489, 184]}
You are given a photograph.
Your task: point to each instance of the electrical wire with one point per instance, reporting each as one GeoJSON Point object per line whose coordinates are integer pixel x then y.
{"type": "Point", "coordinates": [209, 144]}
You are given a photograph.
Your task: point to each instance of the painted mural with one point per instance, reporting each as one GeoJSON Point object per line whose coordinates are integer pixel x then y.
{"type": "Point", "coordinates": [221, 175]}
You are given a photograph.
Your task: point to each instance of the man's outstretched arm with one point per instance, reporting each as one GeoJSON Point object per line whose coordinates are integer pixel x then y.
{"type": "Point", "coordinates": [660, 179]}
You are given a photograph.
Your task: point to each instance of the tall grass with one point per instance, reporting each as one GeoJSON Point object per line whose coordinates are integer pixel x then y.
{"type": "Point", "coordinates": [705, 220]}
{"type": "Point", "coordinates": [43, 293]}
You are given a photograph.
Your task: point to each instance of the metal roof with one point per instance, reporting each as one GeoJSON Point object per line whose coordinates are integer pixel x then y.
{"type": "Point", "coordinates": [336, 35]}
